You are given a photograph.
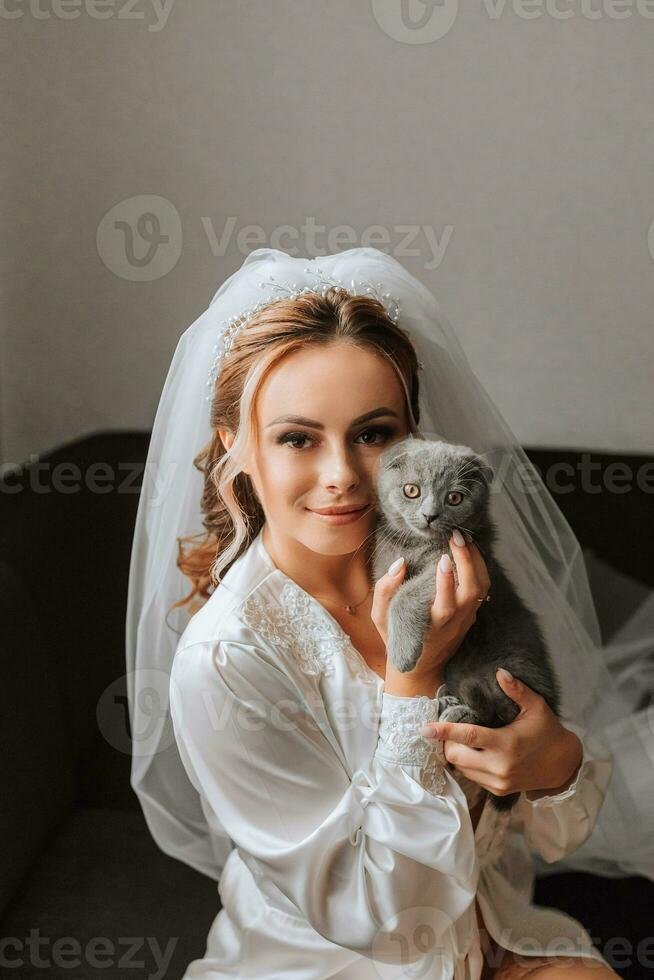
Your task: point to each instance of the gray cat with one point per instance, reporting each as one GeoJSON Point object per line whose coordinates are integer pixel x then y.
{"type": "Point", "coordinates": [425, 489]}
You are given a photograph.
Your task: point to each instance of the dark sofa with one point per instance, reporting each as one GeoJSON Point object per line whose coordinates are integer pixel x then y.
{"type": "Point", "coordinates": [84, 891]}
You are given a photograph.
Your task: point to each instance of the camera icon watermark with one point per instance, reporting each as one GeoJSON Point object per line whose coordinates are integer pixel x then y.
{"type": "Point", "coordinates": [140, 239]}
{"type": "Point", "coordinates": [415, 21]}
{"type": "Point", "coordinates": [147, 690]}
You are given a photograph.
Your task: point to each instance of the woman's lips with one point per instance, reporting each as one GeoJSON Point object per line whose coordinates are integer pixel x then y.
{"type": "Point", "coordinates": [337, 519]}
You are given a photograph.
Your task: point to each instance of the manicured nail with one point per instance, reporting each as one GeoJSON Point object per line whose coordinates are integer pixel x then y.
{"type": "Point", "coordinates": [508, 676]}
{"type": "Point", "coordinates": [426, 731]}
{"type": "Point", "coordinates": [445, 563]}
{"type": "Point", "coordinates": [458, 538]}
{"type": "Point", "coordinates": [396, 566]}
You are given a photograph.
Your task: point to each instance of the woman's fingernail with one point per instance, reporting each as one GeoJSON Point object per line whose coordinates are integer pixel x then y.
{"type": "Point", "coordinates": [458, 537]}
{"type": "Point", "coordinates": [508, 676]}
{"type": "Point", "coordinates": [396, 566]}
{"type": "Point", "coordinates": [426, 731]}
{"type": "Point", "coordinates": [445, 563]}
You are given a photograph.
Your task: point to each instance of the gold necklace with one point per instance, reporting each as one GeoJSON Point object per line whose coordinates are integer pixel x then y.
{"type": "Point", "coordinates": [349, 607]}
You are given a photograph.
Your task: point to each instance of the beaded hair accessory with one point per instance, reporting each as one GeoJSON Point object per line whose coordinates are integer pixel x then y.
{"type": "Point", "coordinates": [288, 290]}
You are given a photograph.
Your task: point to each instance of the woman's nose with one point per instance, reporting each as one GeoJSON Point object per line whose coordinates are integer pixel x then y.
{"type": "Point", "coordinates": [339, 473]}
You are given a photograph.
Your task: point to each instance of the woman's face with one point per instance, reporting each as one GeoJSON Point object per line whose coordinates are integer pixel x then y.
{"type": "Point", "coordinates": [330, 458]}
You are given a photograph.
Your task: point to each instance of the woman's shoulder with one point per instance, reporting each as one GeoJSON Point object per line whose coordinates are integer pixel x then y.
{"type": "Point", "coordinates": [252, 637]}
{"type": "Point", "coordinates": [262, 608]}
{"type": "Point", "coordinates": [249, 583]}
{"type": "Point", "coordinates": [257, 605]}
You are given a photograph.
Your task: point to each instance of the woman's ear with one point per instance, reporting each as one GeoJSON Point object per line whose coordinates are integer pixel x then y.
{"type": "Point", "coordinates": [227, 438]}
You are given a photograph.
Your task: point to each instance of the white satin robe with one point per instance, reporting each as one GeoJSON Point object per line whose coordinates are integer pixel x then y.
{"type": "Point", "coordinates": [354, 855]}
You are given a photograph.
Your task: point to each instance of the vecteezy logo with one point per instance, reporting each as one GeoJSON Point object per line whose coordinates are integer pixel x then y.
{"type": "Point", "coordinates": [416, 938]}
{"type": "Point", "coordinates": [150, 730]}
{"type": "Point", "coordinates": [415, 21]}
{"type": "Point", "coordinates": [140, 238]}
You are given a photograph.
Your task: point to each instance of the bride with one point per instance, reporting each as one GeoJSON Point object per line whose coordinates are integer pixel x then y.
{"type": "Point", "coordinates": [349, 832]}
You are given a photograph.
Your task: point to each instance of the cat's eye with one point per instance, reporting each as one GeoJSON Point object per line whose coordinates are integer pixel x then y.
{"type": "Point", "coordinates": [454, 498]}
{"type": "Point", "coordinates": [411, 490]}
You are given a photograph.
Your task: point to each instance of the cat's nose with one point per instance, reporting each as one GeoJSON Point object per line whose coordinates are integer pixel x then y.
{"type": "Point", "coordinates": [430, 518]}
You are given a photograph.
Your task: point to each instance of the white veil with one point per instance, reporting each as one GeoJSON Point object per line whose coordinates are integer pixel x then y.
{"type": "Point", "coordinates": [536, 546]}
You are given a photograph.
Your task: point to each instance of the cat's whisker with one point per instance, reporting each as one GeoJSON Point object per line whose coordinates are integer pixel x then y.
{"type": "Point", "coordinates": [467, 530]}
{"type": "Point", "coordinates": [466, 468]}
{"type": "Point", "coordinates": [367, 538]}
{"type": "Point", "coordinates": [388, 535]}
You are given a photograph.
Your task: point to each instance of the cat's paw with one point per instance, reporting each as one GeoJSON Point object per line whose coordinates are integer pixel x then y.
{"type": "Point", "coordinates": [403, 654]}
{"type": "Point", "coordinates": [404, 663]}
{"type": "Point", "coordinates": [458, 713]}
{"type": "Point", "coordinates": [446, 701]}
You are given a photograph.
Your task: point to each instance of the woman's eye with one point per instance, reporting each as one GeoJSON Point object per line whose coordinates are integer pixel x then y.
{"type": "Point", "coordinates": [294, 437]}
{"type": "Point", "coordinates": [378, 430]}
{"type": "Point", "coordinates": [291, 438]}
{"type": "Point", "coordinates": [454, 498]}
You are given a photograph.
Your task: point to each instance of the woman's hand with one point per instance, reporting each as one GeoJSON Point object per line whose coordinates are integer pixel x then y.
{"type": "Point", "coordinates": [534, 753]}
{"type": "Point", "coordinates": [453, 611]}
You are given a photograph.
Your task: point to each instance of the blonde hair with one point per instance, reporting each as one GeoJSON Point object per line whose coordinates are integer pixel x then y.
{"type": "Point", "coordinates": [232, 512]}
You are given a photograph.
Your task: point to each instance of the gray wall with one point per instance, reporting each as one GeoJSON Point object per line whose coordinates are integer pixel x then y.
{"type": "Point", "coordinates": [521, 139]}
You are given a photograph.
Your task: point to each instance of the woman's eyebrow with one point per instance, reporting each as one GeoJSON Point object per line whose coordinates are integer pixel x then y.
{"type": "Point", "coordinates": [312, 424]}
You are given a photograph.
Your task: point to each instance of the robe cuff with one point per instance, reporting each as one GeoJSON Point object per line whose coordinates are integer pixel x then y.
{"type": "Point", "coordinates": [554, 798]}
{"type": "Point", "coordinates": [399, 741]}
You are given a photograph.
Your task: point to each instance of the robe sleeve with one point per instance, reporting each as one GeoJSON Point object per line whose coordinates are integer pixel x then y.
{"type": "Point", "coordinates": [351, 852]}
{"type": "Point", "coordinates": [556, 825]}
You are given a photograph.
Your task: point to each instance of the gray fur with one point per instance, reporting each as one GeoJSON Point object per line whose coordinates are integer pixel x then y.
{"type": "Point", "coordinates": [505, 633]}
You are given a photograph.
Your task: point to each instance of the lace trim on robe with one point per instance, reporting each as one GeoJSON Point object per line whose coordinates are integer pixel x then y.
{"type": "Point", "coordinates": [399, 741]}
{"type": "Point", "coordinates": [299, 625]}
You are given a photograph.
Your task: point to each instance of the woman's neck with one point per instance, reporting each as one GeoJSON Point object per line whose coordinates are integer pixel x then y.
{"type": "Point", "coordinates": [343, 578]}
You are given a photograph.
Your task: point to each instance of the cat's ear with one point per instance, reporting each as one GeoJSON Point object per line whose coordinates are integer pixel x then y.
{"type": "Point", "coordinates": [486, 472]}
{"type": "Point", "coordinates": [396, 461]}
{"type": "Point", "coordinates": [394, 456]}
